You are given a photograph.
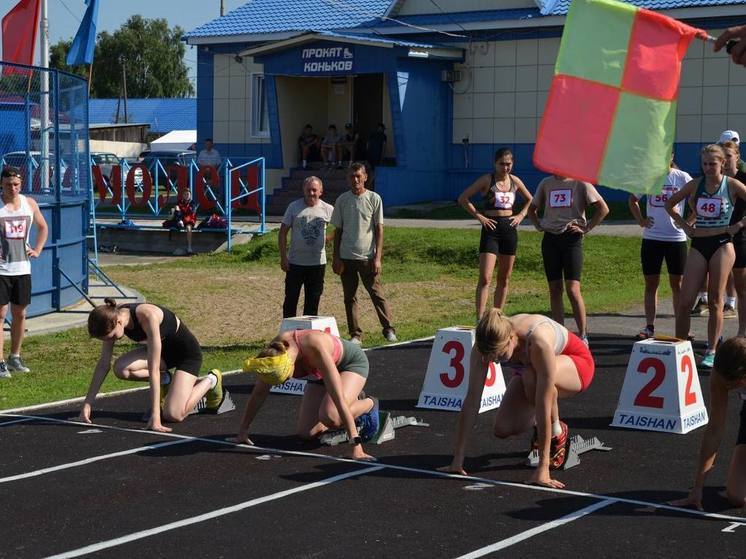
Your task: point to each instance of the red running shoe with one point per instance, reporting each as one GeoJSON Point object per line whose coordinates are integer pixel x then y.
{"type": "Point", "coordinates": [558, 448]}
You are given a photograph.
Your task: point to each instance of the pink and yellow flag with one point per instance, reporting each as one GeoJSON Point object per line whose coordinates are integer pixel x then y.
{"type": "Point", "coordinates": [611, 112]}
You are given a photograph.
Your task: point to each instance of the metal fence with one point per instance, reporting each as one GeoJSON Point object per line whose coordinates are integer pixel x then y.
{"type": "Point", "coordinates": [44, 132]}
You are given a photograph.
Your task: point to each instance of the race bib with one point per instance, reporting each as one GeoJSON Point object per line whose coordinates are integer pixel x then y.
{"type": "Point", "coordinates": [659, 200]}
{"type": "Point", "coordinates": [561, 198]}
{"type": "Point", "coordinates": [15, 228]}
{"type": "Point", "coordinates": [504, 200]}
{"type": "Point", "coordinates": [709, 207]}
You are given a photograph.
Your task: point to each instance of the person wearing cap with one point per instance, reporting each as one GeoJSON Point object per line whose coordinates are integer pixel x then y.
{"type": "Point", "coordinates": [348, 143]}
{"type": "Point", "coordinates": [336, 371]}
{"type": "Point", "coordinates": [733, 136]}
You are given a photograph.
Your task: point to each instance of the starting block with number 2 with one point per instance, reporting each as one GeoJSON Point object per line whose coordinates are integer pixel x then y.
{"type": "Point", "coordinates": [325, 324]}
{"type": "Point", "coordinates": [447, 378]}
{"type": "Point", "coordinates": [661, 390]}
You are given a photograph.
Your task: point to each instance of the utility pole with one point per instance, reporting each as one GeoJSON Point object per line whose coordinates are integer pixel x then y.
{"type": "Point", "coordinates": [222, 8]}
{"type": "Point", "coordinates": [124, 87]}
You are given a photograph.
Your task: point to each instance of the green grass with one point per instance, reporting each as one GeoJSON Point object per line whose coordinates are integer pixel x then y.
{"type": "Point", "coordinates": [429, 275]}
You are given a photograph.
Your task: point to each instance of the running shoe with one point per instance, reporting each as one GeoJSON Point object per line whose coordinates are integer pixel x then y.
{"type": "Point", "coordinates": [700, 309]}
{"type": "Point", "coordinates": [729, 312]}
{"type": "Point", "coordinates": [356, 340]}
{"type": "Point", "coordinates": [584, 339]}
{"type": "Point", "coordinates": [16, 365]}
{"type": "Point", "coordinates": [214, 396]}
{"type": "Point", "coordinates": [558, 448]}
{"type": "Point", "coordinates": [4, 372]}
{"type": "Point", "coordinates": [645, 333]}
{"type": "Point", "coordinates": [707, 361]}
{"type": "Point", "coordinates": [390, 335]}
{"type": "Point", "coordinates": [368, 423]}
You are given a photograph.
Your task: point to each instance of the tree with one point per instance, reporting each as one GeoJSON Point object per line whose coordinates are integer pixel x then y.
{"type": "Point", "coordinates": [152, 55]}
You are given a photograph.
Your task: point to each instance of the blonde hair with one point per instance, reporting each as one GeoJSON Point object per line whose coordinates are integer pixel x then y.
{"type": "Point", "coordinates": [715, 150]}
{"type": "Point", "coordinates": [493, 332]}
{"type": "Point", "coordinates": [731, 145]}
{"type": "Point", "coordinates": [274, 348]}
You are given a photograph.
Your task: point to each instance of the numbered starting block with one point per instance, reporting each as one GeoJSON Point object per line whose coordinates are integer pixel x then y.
{"type": "Point", "coordinates": [386, 431]}
{"type": "Point", "coordinates": [226, 404]}
{"type": "Point", "coordinates": [447, 378]}
{"type": "Point", "coordinates": [577, 446]}
{"type": "Point", "coordinates": [661, 389]}
{"type": "Point", "coordinates": [306, 322]}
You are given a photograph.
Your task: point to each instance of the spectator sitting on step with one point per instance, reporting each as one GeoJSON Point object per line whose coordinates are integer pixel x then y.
{"type": "Point", "coordinates": [309, 145]}
{"type": "Point", "coordinates": [183, 217]}
{"type": "Point", "coordinates": [329, 146]}
{"type": "Point", "coordinates": [348, 145]}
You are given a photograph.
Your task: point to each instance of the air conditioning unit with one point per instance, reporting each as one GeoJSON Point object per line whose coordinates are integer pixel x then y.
{"type": "Point", "coordinates": [450, 76]}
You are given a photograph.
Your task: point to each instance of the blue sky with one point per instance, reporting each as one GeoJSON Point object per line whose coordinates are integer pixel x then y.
{"type": "Point", "coordinates": [65, 15]}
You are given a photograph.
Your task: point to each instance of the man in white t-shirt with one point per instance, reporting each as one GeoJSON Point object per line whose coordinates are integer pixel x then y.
{"type": "Point", "coordinates": [209, 155]}
{"type": "Point", "coordinates": [305, 264]}
{"type": "Point", "coordinates": [661, 239]}
{"type": "Point", "coordinates": [358, 250]}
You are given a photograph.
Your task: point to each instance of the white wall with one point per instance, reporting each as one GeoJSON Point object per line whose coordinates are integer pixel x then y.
{"type": "Point", "coordinates": [504, 86]}
{"type": "Point", "coordinates": [120, 149]}
{"type": "Point", "coordinates": [411, 7]}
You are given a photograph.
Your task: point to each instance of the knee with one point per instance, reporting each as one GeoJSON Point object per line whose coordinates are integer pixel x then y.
{"type": "Point", "coordinates": [573, 291]}
{"type": "Point", "coordinates": [555, 289]}
{"type": "Point", "coordinates": [121, 370]}
{"type": "Point", "coordinates": [17, 312]}
{"type": "Point", "coordinates": [502, 281]}
{"type": "Point", "coordinates": [173, 414]}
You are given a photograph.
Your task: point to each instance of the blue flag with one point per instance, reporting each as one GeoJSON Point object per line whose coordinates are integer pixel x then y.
{"type": "Point", "coordinates": [81, 51]}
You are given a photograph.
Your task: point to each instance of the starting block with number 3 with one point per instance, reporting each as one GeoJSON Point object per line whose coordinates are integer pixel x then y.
{"type": "Point", "coordinates": [447, 378]}
{"type": "Point", "coordinates": [323, 323]}
{"type": "Point", "coordinates": [661, 389]}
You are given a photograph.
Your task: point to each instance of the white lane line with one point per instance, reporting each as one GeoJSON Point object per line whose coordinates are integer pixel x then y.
{"type": "Point", "coordinates": [91, 460]}
{"type": "Point", "coordinates": [23, 420]}
{"type": "Point", "coordinates": [507, 542]}
{"type": "Point", "coordinates": [209, 515]}
{"type": "Point", "coordinates": [409, 469]}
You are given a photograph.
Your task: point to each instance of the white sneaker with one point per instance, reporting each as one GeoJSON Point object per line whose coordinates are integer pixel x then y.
{"type": "Point", "coordinates": [17, 365]}
{"type": "Point", "coordinates": [4, 372]}
{"type": "Point", "coordinates": [355, 340]}
{"type": "Point", "coordinates": [390, 335]}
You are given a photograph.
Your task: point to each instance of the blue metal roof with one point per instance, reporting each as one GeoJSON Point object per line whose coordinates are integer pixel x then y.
{"type": "Point", "coordinates": [560, 7]}
{"type": "Point", "coordinates": [276, 16]}
{"type": "Point", "coordinates": [163, 115]}
{"type": "Point", "coordinates": [377, 39]}
{"type": "Point", "coordinates": [459, 17]}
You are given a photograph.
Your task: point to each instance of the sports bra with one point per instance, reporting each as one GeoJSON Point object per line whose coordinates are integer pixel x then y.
{"type": "Point", "coordinates": [306, 370]}
{"type": "Point", "coordinates": [560, 335]}
{"type": "Point", "coordinates": [713, 210]}
{"type": "Point", "coordinates": [168, 327]}
{"type": "Point", "coordinates": [497, 199]}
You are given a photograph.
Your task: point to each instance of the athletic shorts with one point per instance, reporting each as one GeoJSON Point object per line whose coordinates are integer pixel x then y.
{"type": "Point", "coordinates": [652, 254]}
{"type": "Point", "coordinates": [15, 290]}
{"type": "Point", "coordinates": [563, 256]}
{"type": "Point", "coordinates": [353, 360]}
{"type": "Point", "coordinates": [739, 243]}
{"type": "Point", "coordinates": [708, 246]}
{"type": "Point", "coordinates": [182, 352]}
{"type": "Point", "coordinates": [742, 429]}
{"type": "Point", "coordinates": [581, 356]}
{"type": "Point", "coordinates": [503, 239]}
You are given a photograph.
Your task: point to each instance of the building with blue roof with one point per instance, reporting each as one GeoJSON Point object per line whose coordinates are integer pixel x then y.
{"type": "Point", "coordinates": [451, 81]}
{"type": "Point", "coordinates": [161, 115]}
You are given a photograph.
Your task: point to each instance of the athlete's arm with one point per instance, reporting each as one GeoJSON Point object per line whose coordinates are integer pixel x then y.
{"type": "Point", "coordinates": [633, 202]}
{"type": "Point", "coordinates": [99, 374]}
{"type": "Point", "coordinates": [150, 317]}
{"type": "Point", "coordinates": [258, 395]}
{"type": "Point", "coordinates": [526, 195]}
{"type": "Point", "coordinates": [481, 185]}
{"type": "Point", "coordinates": [42, 229]}
{"type": "Point", "coordinates": [674, 200]}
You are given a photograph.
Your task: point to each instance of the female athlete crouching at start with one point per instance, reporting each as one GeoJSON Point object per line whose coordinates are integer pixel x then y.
{"type": "Point", "coordinates": [168, 344]}
{"type": "Point", "coordinates": [336, 371]}
{"type": "Point", "coordinates": [555, 364]}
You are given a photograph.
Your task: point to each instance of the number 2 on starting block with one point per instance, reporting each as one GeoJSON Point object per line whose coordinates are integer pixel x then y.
{"type": "Point", "coordinates": [661, 389]}
{"type": "Point", "coordinates": [325, 324]}
{"type": "Point", "coordinates": [447, 378]}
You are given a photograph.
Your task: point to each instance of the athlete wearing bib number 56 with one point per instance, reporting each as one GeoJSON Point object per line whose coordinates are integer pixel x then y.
{"type": "Point", "coordinates": [711, 198]}
{"type": "Point", "coordinates": [550, 362]}
{"type": "Point", "coordinates": [499, 239]}
{"type": "Point", "coordinates": [17, 214]}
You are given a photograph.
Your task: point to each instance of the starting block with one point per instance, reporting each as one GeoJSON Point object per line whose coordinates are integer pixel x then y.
{"type": "Point", "coordinates": [577, 446]}
{"type": "Point", "coordinates": [306, 322]}
{"type": "Point", "coordinates": [226, 404]}
{"type": "Point", "coordinates": [386, 431]}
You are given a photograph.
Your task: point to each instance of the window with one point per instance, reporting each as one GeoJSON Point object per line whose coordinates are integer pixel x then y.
{"type": "Point", "coordinates": [259, 114]}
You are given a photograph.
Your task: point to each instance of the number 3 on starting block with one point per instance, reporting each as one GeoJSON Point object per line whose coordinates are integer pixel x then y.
{"type": "Point", "coordinates": [661, 389]}
{"type": "Point", "coordinates": [447, 378]}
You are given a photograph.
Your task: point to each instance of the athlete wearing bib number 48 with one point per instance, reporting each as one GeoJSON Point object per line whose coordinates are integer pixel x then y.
{"type": "Point", "coordinates": [17, 214]}
{"type": "Point", "coordinates": [711, 198]}
{"type": "Point", "coordinates": [550, 363]}
{"type": "Point", "coordinates": [499, 239]}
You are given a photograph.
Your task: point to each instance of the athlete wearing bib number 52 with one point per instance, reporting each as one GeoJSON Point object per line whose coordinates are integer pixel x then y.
{"type": "Point", "coordinates": [711, 198]}
{"type": "Point", "coordinates": [550, 362]}
{"type": "Point", "coordinates": [17, 214]}
{"type": "Point", "coordinates": [499, 239]}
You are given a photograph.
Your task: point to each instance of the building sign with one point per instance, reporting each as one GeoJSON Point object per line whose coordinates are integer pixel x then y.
{"type": "Point", "coordinates": [327, 60]}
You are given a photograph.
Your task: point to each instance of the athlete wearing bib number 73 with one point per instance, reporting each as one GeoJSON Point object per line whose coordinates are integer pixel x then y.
{"type": "Point", "coordinates": [711, 198]}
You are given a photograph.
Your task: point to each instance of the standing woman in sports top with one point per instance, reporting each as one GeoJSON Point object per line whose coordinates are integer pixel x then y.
{"type": "Point", "coordinates": [549, 363]}
{"type": "Point", "coordinates": [732, 156]}
{"type": "Point", "coordinates": [166, 344]}
{"type": "Point", "coordinates": [711, 198]}
{"type": "Point", "coordinates": [499, 239]}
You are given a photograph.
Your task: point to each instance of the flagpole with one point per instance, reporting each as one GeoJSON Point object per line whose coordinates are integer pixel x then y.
{"type": "Point", "coordinates": [44, 123]}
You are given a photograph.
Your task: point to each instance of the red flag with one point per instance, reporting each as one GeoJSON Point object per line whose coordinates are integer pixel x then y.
{"type": "Point", "coordinates": [20, 28]}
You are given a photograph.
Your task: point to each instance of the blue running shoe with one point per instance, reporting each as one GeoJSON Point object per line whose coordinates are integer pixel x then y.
{"type": "Point", "coordinates": [708, 361]}
{"type": "Point", "coordinates": [368, 423]}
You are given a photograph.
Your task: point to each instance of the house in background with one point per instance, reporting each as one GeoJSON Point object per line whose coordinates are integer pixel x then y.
{"type": "Point", "coordinates": [451, 81]}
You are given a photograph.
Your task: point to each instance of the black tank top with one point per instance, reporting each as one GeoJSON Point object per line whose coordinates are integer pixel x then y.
{"type": "Point", "coordinates": [493, 192]}
{"type": "Point", "coordinates": [134, 331]}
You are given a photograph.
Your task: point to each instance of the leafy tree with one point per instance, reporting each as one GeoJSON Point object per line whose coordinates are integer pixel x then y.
{"type": "Point", "coordinates": [152, 55]}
